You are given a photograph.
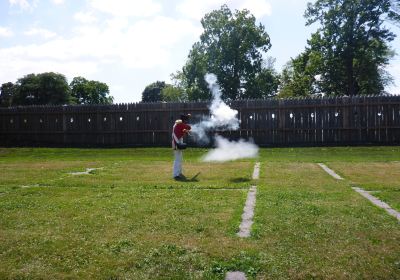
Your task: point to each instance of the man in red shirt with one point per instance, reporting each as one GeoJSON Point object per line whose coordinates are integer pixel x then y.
{"type": "Point", "coordinates": [180, 129]}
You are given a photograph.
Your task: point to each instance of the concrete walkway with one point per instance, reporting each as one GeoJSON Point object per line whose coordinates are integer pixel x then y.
{"type": "Point", "coordinates": [364, 193]}
{"type": "Point", "coordinates": [256, 172]}
{"type": "Point", "coordinates": [248, 213]}
{"type": "Point", "coordinates": [330, 171]}
{"type": "Point", "coordinates": [247, 221]}
{"type": "Point", "coordinates": [378, 202]}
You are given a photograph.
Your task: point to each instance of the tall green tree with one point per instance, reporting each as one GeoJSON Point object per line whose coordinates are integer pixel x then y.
{"type": "Point", "coordinates": [42, 89]}
{"type": "Point", "coordinates": [172, 93]}
{"type": "Point", "coordinates": [353, 42]}
{"type": "Point", "coordinates": [152, 92]}
{"type": "Point", "coordinates": [301, 75]}
{"type": "Point", "coordinates": [232, 47]}
{"type": "Point", "coordinates": [7, 92]}
{"type": "Point", "coordinates": [90, 92]}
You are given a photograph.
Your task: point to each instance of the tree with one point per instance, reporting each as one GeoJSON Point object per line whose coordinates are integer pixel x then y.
{"type": "Point", "coordinates": [7, 92]}
{"type": "Point", "coordinates": [41, 89]}
{"type": "Point", "coordinates": [263, 85]}
{"type": "Point", "coordinates": [90, 92]}
{"type": "Point", "coordinates": [231, 47]}
{"type": "Point", "coordinates": [300, 76]}
{"type": "Point", "coordinates": [192, 75]}
{"type": "Point", "coordinates": [353, 44]}
{"type": "Point", "coordinates": [294, 80]}
{"type": "Point", "coordinates": [172, 93]}
{"type": "Point", "coordinates": [152, 92]}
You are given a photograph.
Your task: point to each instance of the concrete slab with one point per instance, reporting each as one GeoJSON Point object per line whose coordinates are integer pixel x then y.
{"type": "Point", "coordinates": [330, 171]}
{"type": "Point", "coordinates": [87, 172]}
{"type": "Point", "coordinates": [235, 275]}
{"type": "Point", "coordinates": [256, 172]}
{"type": "Point", "coordinates": [248, 213]}
{"type": "Point", "coordinates": [378, 202]}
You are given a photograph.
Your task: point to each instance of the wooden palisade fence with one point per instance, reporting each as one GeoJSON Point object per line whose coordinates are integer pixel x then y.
{"type": "Point", "coordinates": [271, 122]}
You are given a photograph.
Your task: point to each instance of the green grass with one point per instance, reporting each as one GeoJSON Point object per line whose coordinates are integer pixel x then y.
{"type": "Point", "coordinates": [130, 220]}
{"type": "Point", "coordinates": [382, 178]}
{"type": "Point", "coordinates": [317, 228]}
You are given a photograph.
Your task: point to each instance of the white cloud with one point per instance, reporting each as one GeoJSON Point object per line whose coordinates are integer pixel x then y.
{"type": "Point", "coordinates": [258, 8]}
{"type": "Point", "coordinates": [58, 2]}
{"type": "Point", "coordinates": [5, 32]}
{"type": "Point", "coordinates": [127, 8]}
{"type": "Point", "coordinates": [85, 17]}
{"type": "Point", "coordinates": [41, 32]}
{"type": "Point", "coordinates": [24, 4]}
{"type": "Point", "coordinates": [143, 45]}
{"type": "Point", "coordinates": [18, 68]}
{"type": "Point", "coordinates": [196, 10]}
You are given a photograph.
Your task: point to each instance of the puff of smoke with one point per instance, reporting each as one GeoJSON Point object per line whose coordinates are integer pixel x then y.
{"type": "Point", "coordinates": [222, 116]}
{"type": "Point", "coordinates": [231, 150]}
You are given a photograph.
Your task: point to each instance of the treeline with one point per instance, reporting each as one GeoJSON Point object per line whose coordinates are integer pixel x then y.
{"type": "Point", "coordinates": [53, 89]}
{"type": "Point", "coordinates": [347, 55]}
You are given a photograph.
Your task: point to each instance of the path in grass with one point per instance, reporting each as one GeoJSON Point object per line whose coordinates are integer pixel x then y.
{"type": "Point", "coordinates": [248, 210]}
{"type": "Point", "coordinates": [364, 193]}
{"type": "Point", "coordinates": [383, 178]}
{"type": "Point", "coordinates": [247, 220]}
{"type": "Point", "coordinates": [378, 202]}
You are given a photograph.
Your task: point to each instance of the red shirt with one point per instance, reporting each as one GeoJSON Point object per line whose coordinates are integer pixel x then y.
{"type": "Point", "coordinates": [178, 129]}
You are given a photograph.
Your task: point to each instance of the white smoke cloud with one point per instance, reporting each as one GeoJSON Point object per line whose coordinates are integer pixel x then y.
{"type": "Point", "coordinates": [231, 150]}
{"type": "Point", "coordinates": [222, 118]}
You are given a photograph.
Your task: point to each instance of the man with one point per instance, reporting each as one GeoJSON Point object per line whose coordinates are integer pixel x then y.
{"type": "Point", "coordinates": [180, 129]}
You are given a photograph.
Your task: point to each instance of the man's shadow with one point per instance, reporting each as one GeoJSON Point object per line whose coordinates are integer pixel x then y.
{"type": "Point", "coordinates": [193, 179]}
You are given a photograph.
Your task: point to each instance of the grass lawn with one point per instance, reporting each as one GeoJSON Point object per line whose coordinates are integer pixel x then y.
{"type": "Point", "coordinates": [382, 178]}
{"type": "Point", "coordinates": [129, 220]}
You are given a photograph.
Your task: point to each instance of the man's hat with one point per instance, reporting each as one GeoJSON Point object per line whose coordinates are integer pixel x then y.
{"type": "Point", "coordinates": [185, 117]}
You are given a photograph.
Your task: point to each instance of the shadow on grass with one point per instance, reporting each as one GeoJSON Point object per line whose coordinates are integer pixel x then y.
{"type": "Point", "coordinates": [193, 179]}
{"type": "Point", "coordinates": [239, 180]}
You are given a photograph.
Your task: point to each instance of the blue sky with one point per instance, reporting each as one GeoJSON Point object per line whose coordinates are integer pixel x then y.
{"type": "Point", "coordinates": [129, 44]}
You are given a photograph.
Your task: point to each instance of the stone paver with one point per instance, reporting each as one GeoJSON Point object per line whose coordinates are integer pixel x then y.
{"type": "Point", "coordinates": [378, 202]}
{"type": "Point", "coordinates": [235, 275]}
{"type": "Point", "coordinates": [330, 171]}
{"type": "Point", "coordinates": [87, 172]}
{"type": "Point", "coordinates": [256, 172]}
{"type": "Point", "coordinates": [248, 213]}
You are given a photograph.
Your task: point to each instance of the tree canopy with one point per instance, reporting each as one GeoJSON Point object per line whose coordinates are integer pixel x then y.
{"type": "Point", "coordinates": [90, 92]}
{"type": "Point", "coordinates": [45, 88]}
{"type": "Point", "coordinates": [7, 91]}
{"type": "Point", "coordinates": [172, 93]}
{"type": "Point", "coordinates": [52, 89]}
{"type": "Point", "coordinates": [152, 92]}
{"type": "Point", "coordinates": [348, 52]}
{"type": "Point", "coordinates": [232, 46]}
{"type": "Point", "coordinates": [161, 91]}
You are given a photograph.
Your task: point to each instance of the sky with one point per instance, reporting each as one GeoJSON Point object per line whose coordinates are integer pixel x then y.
{"type": "Point", "coordinates": [129, 44]}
